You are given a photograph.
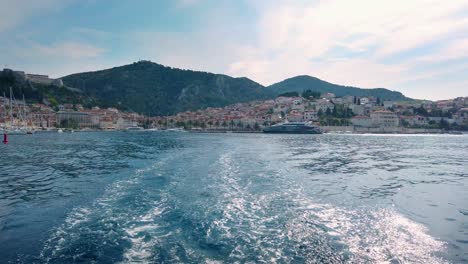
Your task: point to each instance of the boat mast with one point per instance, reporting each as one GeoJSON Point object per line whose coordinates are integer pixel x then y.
{"type": "Point", "coordinates": [23, 113]}
{"type": "Point", "coordinates": [11, 109]}
{"type": "Point", "coordinates": [4, 106]}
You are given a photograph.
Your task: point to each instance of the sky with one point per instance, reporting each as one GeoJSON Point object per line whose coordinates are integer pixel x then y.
{"type": "Point", "coordinates": [417, 47]}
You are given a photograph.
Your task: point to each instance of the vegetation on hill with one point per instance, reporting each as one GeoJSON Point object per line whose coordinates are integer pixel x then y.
{"type": "Point", "coordinates": [289, 94]}
{"type": "Point", "coordinates": [303, 83]}
{"type": "Point", "coordinates": [154, 89]}
{"type": "Point", "coordinates": [39, 93]}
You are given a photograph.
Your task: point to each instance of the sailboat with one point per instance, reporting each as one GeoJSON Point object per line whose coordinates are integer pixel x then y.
{"type": "Point", "coordinates": [12, 129]}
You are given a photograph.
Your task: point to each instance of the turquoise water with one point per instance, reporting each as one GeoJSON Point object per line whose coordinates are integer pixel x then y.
{"type": "Point", "coordinates": [223, 198]}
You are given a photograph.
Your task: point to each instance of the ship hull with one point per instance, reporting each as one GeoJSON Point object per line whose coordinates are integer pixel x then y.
{"type": "Point", "coordinates": [292, 130]}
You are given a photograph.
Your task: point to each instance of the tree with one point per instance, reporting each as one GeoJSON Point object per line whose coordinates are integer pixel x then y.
{"type": "Point", "coordinates": [289, 94]}
{"type": "Point", "coordinates": [335, 112]}
{"type": "Point", "coordinates": [310, 94]}
{"type": "Point", "coordinates": [443, 124]}
{"type": "Point", "coordinates": [421, 111]}
{"type": "Point", "coordinates": [320, 113]}
{"type": "Point", "coordinates": [53, 102]}
{"type": "Point", "coordinates": [256, 126]}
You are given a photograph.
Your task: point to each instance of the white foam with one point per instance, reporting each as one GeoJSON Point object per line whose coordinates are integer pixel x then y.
{"type": "Point", "coordinates": [376, 235]}
{"type": "Point", "coordinates": [102, 210]}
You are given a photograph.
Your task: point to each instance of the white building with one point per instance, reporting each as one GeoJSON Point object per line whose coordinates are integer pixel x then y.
{"type": "Point", "coordinates": [361, 121]}
{"type": "Point", "coordinates": [310, 116]}
{"type": "Point", "coordinates": [384, 118]}
{"type": "Point", "coordinates": [388, 104]}
{"type": "Point", "coordinates": [364, 100]}
{"type": "Point", "coordinates": [358, 109]}
{"type": "Point", "coordinates": [297, 101]}
{"type": "Point", "coordinates": [420, 120]}
{"type": "Point", "coordinates": [324, 105]}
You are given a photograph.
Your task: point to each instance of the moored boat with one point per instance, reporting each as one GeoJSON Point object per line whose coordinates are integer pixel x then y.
{"type": "Point", "coordinates": [292, 128]}
{"type": "Point", "coordinates": [134, 128]}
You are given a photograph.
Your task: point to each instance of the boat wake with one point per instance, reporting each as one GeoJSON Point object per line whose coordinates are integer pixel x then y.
{"type": "Point", "coordinates": [231, 216]}
{"type": "Point", "coordinates": [370, 235]}
{"type": "Point", "coordinates": [121, 220]}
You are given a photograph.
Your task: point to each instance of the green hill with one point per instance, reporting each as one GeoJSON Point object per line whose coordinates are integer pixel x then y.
{"type": "Point", "coordinates": [40, 93]}
{"type": "Point", "coordinates": [304, 82]}
{"type": "Point", "coordinates": [154, 89]}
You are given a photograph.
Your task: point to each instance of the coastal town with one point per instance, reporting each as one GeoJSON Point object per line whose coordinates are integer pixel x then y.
{"type": "Point", "coordinates": [333, 114]}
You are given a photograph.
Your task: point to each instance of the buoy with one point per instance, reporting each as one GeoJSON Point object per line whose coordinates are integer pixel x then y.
{"type": "Point", "coordinates": [5, 138]}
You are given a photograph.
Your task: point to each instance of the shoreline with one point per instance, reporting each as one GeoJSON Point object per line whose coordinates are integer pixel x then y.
{"type": "Point", "coordinates": [326, 131]}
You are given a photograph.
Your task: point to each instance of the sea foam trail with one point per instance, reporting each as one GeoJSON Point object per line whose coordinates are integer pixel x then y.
{"type": "Point", "coordinates": [309, 230]}
{"type": "Point", "coordinates": [109, 223]}
{"type": "Point", "coordinates": [233, 205]}
{"type": "Point", "coordinates": [372, 235]}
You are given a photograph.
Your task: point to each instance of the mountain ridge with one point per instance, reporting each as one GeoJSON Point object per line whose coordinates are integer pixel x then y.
{"type": "Point", "coordinates": [153, 88]}
{"type": "Point", "coordinates": [156, 89]}
{"type": "Point", "coordinates": [305, 82]}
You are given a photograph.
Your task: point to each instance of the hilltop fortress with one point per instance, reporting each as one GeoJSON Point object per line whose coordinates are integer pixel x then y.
{"type": "Point", "coordinates": [22, 77]}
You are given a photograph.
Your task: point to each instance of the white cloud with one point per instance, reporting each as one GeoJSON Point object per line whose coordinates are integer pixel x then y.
{"type": "Point", "coordinates": [296, 39]}
{"type": "Point", "coordinates": [453, 50]}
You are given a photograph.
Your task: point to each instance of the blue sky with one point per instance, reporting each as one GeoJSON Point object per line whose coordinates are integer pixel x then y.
{"type": "Point", "coordinates": [418, 47]}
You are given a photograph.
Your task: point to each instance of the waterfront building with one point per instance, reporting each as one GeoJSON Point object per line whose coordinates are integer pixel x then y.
{"type": "Point", "coordinates": [295, 116]}
{"type": "Point", "coordinates": [383, 118]}
{"type": "Point", "coordinates": [78, 119]}
{"type": "Point", "coordinates": [43, 119]}
{"type": "Point", "coordinates": [123, 123]}
{"type": "Point", "coordinates": [361, 121]}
